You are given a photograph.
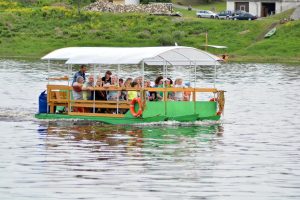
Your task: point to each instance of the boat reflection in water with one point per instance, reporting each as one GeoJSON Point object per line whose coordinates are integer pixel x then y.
{"type": "Point", "coordinates": [111, 141]}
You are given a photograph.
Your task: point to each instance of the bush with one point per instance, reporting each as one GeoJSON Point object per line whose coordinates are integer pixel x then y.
{"type": "Point", "coordinates": [144, 34]}
{"type": "Point", "coordinates": [178, 35]}
{"type": "Point", "coordinates": [165, 40]}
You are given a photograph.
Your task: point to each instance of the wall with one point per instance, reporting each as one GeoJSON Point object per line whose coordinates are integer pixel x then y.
{"type": "Point", "coordinates": [132, 2]}
{"type": "Point", "coordinates": [283, 6]}
{"type": "Point", "coordinates": [230, 5]}
{"type": "Point", "coordinates": [255, 8]}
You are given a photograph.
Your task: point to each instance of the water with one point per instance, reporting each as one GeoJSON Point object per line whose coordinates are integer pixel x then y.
{"type": "Point", "coordinates": [252, 153]}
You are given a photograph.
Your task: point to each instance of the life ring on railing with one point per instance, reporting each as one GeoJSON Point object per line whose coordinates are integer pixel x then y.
{"type": "Point", "coordinates": [213, 99]}
{"type": "Point", "coordinates": [132, 103]}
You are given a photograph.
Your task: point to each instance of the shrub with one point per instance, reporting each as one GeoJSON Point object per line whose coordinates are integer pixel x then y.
{"type": "Point", "coordinates": [144, 34]}
{"type": "Point", "coordinates": [20, 11]}
{"type": "Point", "coordinates": [165, 40]}
{"type": "Point", "coordinates": [55, 11]}
{"type": "Point", "coordinates": [178, 35]}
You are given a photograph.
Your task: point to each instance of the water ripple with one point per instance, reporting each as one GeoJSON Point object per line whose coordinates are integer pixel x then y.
{"type": "Point", "coordinates": [252, 153]}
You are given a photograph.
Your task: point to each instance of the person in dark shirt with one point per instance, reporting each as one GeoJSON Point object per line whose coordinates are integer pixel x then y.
{"type": "Point", "coordinates": [107, 78]}
{"type": "Point", "coordinates": [81, 73]}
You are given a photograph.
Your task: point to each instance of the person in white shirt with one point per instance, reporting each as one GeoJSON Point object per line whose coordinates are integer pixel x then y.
{"type": "Point", "coordinates": [179, 96]}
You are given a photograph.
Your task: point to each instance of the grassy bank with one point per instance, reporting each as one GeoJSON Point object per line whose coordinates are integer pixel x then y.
{"type": "Point", "coordinates": [36, 30]}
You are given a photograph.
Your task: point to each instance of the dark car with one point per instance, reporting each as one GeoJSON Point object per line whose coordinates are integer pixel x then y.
{"type": "Point", "coordinates": [226, 14]}
{"type": "Point", "coordinates": [244, 16]}
{"type": "Point", "coordinates": [238, 12]}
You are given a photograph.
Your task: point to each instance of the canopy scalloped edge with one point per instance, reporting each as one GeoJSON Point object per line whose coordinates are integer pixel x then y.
{"type": "Point", "coordinates": [173, 55]}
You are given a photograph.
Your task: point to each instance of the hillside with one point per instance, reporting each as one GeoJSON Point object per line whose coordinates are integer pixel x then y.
{"type": "Point", "coordinates": [32, 31]}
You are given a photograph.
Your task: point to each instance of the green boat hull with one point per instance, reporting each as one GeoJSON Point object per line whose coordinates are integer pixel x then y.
{"type": "Point", "coordinates": [154, 112]}
{"type": "Point", "coordinates": [107, 120]}
{"type": "Point", "coordinates": [184, 118]}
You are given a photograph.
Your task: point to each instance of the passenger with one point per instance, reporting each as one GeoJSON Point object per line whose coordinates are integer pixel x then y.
{"type": "Point", "coordinates": [99, 81]}
{"type": "Point", "coordinates": [87, 94]}
{"type": "Point", "coordinates": [159, 84]}
{"type": "Point", "coordinates": [150, 96]}
{"type": "Point", "coordinates": [179, 96]}
{"type": "Point", "coordinates": [187, 95]}
{"type": "Point", "coordinates": [133, 94]}
{"type": "Point", "coordinates": [169, 84]}
{"type": "Point", "coordinates": [81, 73]}
{"type": "Point", "coordinates": [121, 82]}
{"type": "Point", "coordinates": [139, 81]}
{"type": "Point", "coordinates": [127, 84]}
{"type": "Point", "coordinates": [113, 95]}
{"type": "Point", "coordinates": [77, 92]}
{"type": "Point", "coordinates": [107, 78]}
{"type": "Point", "coordinates": [99, 94]}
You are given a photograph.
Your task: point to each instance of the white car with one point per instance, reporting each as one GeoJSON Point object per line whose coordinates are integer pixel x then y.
{"type": "Point", "coordinates": [206, 14]}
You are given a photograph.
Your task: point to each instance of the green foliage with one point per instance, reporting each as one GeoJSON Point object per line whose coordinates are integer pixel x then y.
{"type": "Point", "coordinates": [165, 40]}
{"type": "Point", "coordinates": [178, 35]}
{"type": "Point", "coordinates": [34, 31]}
{"type": "Point", "coordinates": [144, 34]}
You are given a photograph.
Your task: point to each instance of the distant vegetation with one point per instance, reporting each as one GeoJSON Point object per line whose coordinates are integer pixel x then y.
{"type": "Point", "coordinates": [36, 28]}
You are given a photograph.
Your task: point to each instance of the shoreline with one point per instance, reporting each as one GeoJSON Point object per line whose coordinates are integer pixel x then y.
{"type": "Point", "coordinates": [28, 34]}
{"type": "Point", "coordinates": [235, 59]}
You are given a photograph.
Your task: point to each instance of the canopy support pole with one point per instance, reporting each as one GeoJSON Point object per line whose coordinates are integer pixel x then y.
{"type": "Point", "coordinates": [68, 74]}
{"type": "Point", "coordinates": [143, 74]}
{"type": "Point", "coordinates": [118, 84]}
{"type": "Point", "coordinates": [94, 84]}
{"type": "Point", "coordinates": [48, 81]}
{"type": "Point", "coordinates": [194, 93]}
{"type": "Point", "coordinates": [143, 93]}
{"type": "Point", "coordinates": [70, 98]}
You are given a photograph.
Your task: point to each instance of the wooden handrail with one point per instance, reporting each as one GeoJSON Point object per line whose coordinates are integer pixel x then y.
{"type": "Point", "coordinates": [113, 88]}
{"type": "Point", "coordinates": [61, 95]}
{"type": "Point", "coordinates": [99, 101]}
{"type": "Point", "coordinates": [64, 78]}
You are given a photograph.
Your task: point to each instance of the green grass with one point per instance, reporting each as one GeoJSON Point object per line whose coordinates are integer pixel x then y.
{"type": "Point", "coordinates": [35, 31]}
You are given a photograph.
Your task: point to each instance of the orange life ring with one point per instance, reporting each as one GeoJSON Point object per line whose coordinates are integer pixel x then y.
{"type": "Point", "coordinates": [140, 111]}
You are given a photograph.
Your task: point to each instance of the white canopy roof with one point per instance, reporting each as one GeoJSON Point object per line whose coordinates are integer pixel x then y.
{"type": "Point", "coordinates": [174, 55]}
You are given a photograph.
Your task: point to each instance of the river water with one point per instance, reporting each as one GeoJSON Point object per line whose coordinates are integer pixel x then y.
{"type": "Point", "coordinates": [252, 153]}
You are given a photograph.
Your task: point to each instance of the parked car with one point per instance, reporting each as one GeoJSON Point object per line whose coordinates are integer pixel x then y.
{"type": "Point", "coordinates": [244, 16]}
{"type": "Point", "coordinates": [226, 14]}
{"type": "Point", "coordinates": [206, 14]}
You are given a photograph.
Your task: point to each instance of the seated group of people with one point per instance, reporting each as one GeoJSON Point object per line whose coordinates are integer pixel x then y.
{"type": "Point", "coordinates": [84, 90]}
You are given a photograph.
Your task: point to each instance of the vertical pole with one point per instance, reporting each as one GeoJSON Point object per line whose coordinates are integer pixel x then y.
{"type": "Point", "coordinates": [94, 96]}
{"type": "Point", "coordinates": [118, 88]}
{"type": "Point", "coordinates": [164, 92]}
{"type": "Point", "coordinates": [195, 77]}
{"type": "Point", "coordinates": [70, 94]}
{"type": "Point", "coordinates": [143, 74]}
{"type": "Point", "coordinates": [194, 93]}
{"type": "Point", "coordinates": [48, 93]}
{"type": "Point", "coordinates": [143, 92]}
{"type": "Point", "coordinates": [68, 73]}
